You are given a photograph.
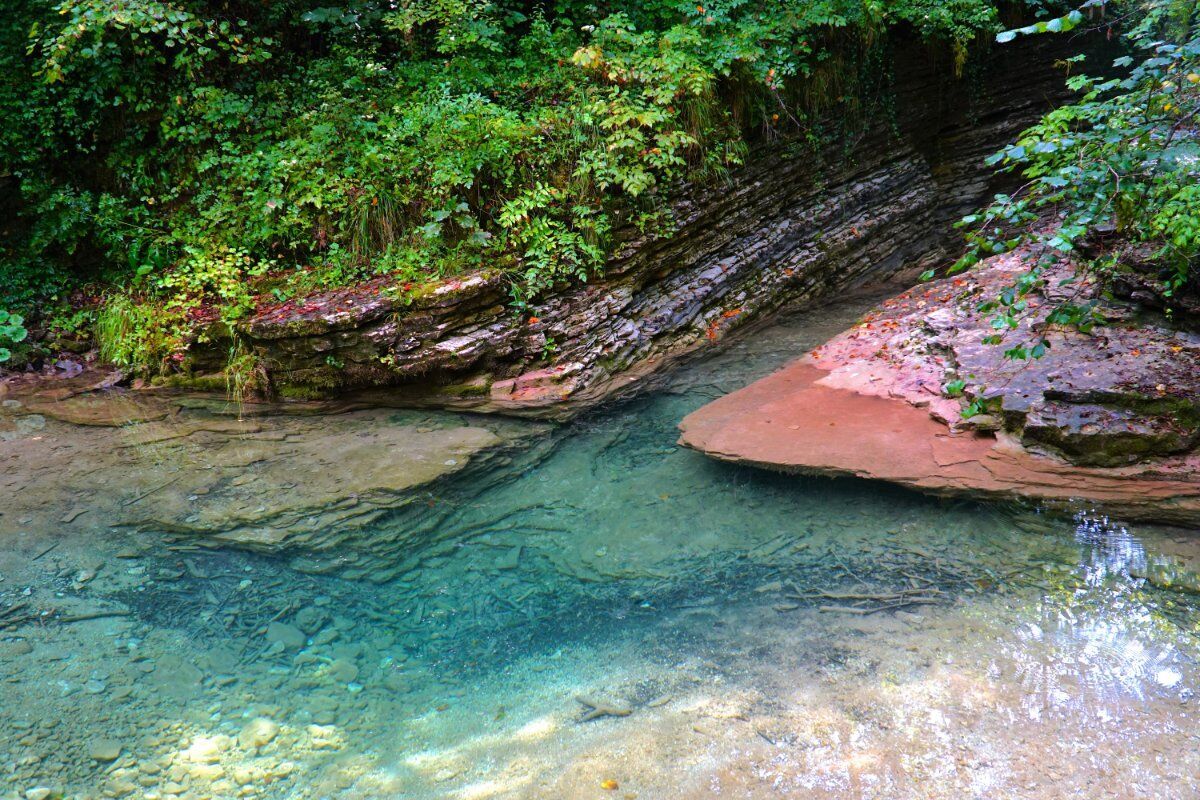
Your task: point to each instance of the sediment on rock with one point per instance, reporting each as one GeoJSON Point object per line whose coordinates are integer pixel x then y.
{"type": "Point", "coordinates": [791, 226]}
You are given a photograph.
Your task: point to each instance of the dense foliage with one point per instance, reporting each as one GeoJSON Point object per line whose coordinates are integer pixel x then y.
{"type": "Point", "coordinates": [12, 330]}
{"type": "Point", "coordinates": [180, 158]}
{"type": "Point", "coordinates": [1124, 159]}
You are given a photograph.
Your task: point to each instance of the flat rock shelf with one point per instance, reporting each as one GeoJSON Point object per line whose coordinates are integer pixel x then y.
{"type": "Point", "coordinates": [1106, 418]}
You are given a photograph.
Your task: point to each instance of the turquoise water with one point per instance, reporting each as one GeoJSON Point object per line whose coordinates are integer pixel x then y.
{"type": "Point", "coordinates": [457, 646]}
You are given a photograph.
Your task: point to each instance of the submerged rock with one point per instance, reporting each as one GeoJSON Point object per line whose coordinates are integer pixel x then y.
{"type": "Point", "coordinates": [310, 619]}
{"type": "Point", "coordinates": [104, 750]}
{"type": "Point", "coordinates": [331, 474]}
{"type": "Point", "coordinates": [42, 793]}
{"type": "Point", "coordinates": [1109, 417]}
{"type": "Point", "coordinates": [291, 637]}
{"type": "Point", "coordinates": [258, 732]}
{"type": "Point", "coordinates": [1168, 574]}
{"type": "Point", "coordinates": [304, 483]}
{"type": "Point", "coordinates": [105, 409]}
{"type": "Point", "coordinates": [343, 670]}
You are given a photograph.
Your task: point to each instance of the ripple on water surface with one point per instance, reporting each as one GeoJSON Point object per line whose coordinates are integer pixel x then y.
{"type": "Point", "coordinates": [600, 613]}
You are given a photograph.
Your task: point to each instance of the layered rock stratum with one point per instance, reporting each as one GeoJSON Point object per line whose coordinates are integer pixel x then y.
{"type": "Point", "coordinates": [799, 222]}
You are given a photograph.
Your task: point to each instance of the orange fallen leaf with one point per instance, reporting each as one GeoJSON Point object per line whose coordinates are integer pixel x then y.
{"type": "Point", "coordinates": [610, 785]}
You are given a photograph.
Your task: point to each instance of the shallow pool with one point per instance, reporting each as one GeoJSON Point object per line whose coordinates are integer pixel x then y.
{"type": "Point", "coordinates": [593, 612]}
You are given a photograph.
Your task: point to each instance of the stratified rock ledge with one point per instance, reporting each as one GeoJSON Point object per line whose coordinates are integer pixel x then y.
{"type": "Point", "coordinates": [1082, 427]}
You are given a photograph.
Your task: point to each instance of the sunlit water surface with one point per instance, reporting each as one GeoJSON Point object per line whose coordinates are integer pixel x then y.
{"type": "Point", "coordinates": [715, 613]}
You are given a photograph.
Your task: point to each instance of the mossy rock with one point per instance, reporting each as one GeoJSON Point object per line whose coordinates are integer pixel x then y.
{"type": "Point", "coordinates": [207, 382]}
{"type": "Point", "coordinates": [475, 388]}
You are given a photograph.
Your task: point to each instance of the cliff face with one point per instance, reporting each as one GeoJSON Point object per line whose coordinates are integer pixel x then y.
{"type": "Point", "coordinates": [792, 226]}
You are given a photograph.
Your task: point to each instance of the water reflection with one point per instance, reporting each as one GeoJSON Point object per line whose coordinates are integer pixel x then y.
{"type": "Point", "coordinates": [1101, 643]}
{"type": "Point", "coordinates": [1111, 550]}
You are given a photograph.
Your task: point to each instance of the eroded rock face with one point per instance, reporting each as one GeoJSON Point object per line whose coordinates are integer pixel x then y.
{"type": "Point", "coordinates": [1107, 417]}
{"type": "Point", "coordinates": [1105, 436]}
{"type": "Point", "coordinates": [792, 226]}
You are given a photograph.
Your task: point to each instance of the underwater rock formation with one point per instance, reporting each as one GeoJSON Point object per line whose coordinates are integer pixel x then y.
{"type": "Point", "coordinates": [1109, 417]}
{"type": "Point", "coordinates": [798, 222]}
{"type": "Point", "coordinates": [212, 472]}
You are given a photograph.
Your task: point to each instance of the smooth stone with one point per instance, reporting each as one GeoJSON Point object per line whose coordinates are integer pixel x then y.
{"type": "Point", "coordinates": [326, 636]}
{"type": "Point", "coordinates": [104, 750]}
{"type": "Point", "coordinates": [323, 737]}
{"type": "Point", "coordinates": [206, 749]}
{"type": "Point", "coordinates": [206, 772]}
{"type": "Point", "coordinates": [177, 677]}
{"type": "Point", "coordinates": [119, 787]}
{"type": "Point", "coordinates": [222, 659]}
{"type": "Point", "coordinates": [310, 620]}
{"type": "Point", "coordinates": [291, 637]}
{"type": "Point", "coordinates": [351, 650]}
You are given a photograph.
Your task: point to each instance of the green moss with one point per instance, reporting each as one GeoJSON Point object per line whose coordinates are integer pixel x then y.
{"type": "Point", "coordinates": [312, 384]}
{"type": "Point", "coordinates": [298, 392]}
{"type": "Point", "coordinates": [197, 383]}
{"type": "Point", "coordinates": [472, 389]}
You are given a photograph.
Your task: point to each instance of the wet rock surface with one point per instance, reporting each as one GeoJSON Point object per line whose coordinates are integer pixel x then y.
{"type": "Point", "coordinates": [793, 225]}
{"type": "Point", "coordinates": [1109, 416]}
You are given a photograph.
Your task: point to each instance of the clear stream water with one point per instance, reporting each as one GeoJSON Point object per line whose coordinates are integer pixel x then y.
{"type": "Point", "coordinates": [714, 613]}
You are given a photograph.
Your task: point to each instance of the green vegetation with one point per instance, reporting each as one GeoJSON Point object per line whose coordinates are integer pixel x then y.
{"type": "Point", "coordinates": [172, 162]}
{"type": "Point", "coordinates": [1124, 161]}
{"type": "Point", "coordinates": [12, 330]}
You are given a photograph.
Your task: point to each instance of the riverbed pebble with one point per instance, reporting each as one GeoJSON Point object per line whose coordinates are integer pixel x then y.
{"type": "Point", "coordinates": [206, 749]}
{"type": "Point", "coordinates": [310, 619]}
{"type": "Point", "coordinates": [291, 637]}
{"type": "Point", "coordinates": [15, 649]}
{"type": "Point", "coordinates": [104, 749]}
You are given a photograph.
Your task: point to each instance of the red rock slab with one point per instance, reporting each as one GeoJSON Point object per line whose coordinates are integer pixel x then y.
{"type": "Point", "coordinates": [790, 422]}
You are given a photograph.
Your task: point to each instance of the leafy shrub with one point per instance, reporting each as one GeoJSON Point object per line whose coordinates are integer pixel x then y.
{"type": "Point", "coordinates": [197, 154]}
{"type": "Point", "coordinates": [1125, 157]}
{"type": "Point", "coordinates": [12, 330]}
